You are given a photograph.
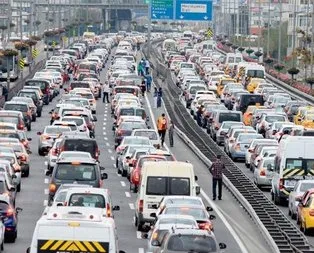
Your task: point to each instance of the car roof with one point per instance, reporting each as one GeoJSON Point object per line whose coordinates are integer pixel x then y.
{"type": "Point", "coordinates": [77, 160]}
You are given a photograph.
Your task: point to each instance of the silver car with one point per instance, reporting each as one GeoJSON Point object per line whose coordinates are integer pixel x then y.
{"type": "Point", "coordinates": [224, 128]}
{"type": "Point", "coordinates": [299, 189]}
{"type": "Point", "coordinates": [264, 171]}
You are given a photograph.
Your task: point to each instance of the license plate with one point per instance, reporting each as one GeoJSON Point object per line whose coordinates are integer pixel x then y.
{"type": "Point", "coordinates": [150, 206]}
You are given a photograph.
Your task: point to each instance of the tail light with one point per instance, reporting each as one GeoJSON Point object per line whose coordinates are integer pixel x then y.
{"type": "Point", "coordinates": [97, 153]}
{"type": "Point", "coordinates": [45, 137]}
{"type": "Point", "coordinates": [205, 226]}
{"type": "Point", "coordinates": [281, 186]}
{"type": "Point", "coordinates": [120, 132]}
{"type": "Point", "coordinates": [10, 212]}
{"type": "Point", "coordinates": [52, 188]}
{"type": "Point", "coordinates": [216, 127]}
{"type": "Point", "coordinates": [136, 178]}
{"type": "Point", "coordinates": [140, 206]}
{"type": "Point", "coordinates": [47, 90]}
{"type": "Point", "coordinates": [237, 147]}
{"type": "Point", "coordinates": [54, 151]}
{"type": "Point", "coordinates": [262, 172]}
{"type": "Point", "coordinates": [311, 212]}
{"type": "Point", "coordinates": [85, 128]}
{"type": "Point", "coordinates": [108, 210]}
{"type": "Point", "coordinates": [23, 158]}
{"type": "Point", "coordinates": [21, 126]}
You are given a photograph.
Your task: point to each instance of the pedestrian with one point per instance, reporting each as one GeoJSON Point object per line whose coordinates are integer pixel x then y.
{"type": "Point", "coordinates": [199, 115]}
{"type": "Point", "coordinates": [162, 126]}
{"type": "Point", "coordinates": [170, 131]}
{"type": "Point", "coordinates": [159, 97]}
{"type": "Point", "coordinates": [155, 95]}
{"type": "Point", "coordinates": [106, 92]}
{"type": "Point", "coordinates": [140, 69]}
{"type": "Point", "coordinates": [147, 66]}
{"type": "Point", "coordinates": [5, 91]}
{"type": "Point", "coordinates": [217, 169]}
{"type": "Point", "coordinates": [149, 80]}
{"type": "Point", "coordinates": [143, 87]}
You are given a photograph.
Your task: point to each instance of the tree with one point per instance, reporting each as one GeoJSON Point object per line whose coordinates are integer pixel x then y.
{"type": "Point", "coordinates": [293, 71]}
{"type": "Point", "coordinates": [310, 81]}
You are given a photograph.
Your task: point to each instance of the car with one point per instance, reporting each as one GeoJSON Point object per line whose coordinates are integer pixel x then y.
{"type": "Point", "coordinates": [36, 98]}
{"type": "Point", "coordinates": [150, 133]}
{"type": "Point", "coordinates": [79, 170]}
{"type": "Point", "coordinates": [14, 117]}
{"type": "Point", "coordinates": [10, 220]}
{"type": "Point", "coordinates": [224, 128]}
{"type": "Point", "coordinates": [7, 186]}
{"type": "Point", "coordinates": [305, 217]}
{"type": "Point", "coordinates": [126, 128]}
{"type": "Point", "coordinates": [12, 158]}
{"type": "Point", "coordinates": [188, 240]}
{"type": "Point", "coordinates": [80, 122]}
{"type": "Point", "coordinates": [71, 124]}
{"type": "Point", "coordinates": [263, 173]}
{"type": "Point", "coordinates": [48, 136]}
{"type": "Point", "coordinates": [30, 103]}
{"type": "Point", "coordinates": [295, 195]}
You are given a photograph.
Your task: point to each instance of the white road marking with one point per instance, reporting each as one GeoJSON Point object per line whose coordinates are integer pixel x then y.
{"type": "Point", "coordinates": [114, 165]}
{"type": "Point", "coordinates": [46, 191]}
{"type": "Point", "coordinates": [105, 123]}
{"type": "Point", "coordinates": [110, 151]}
{"type": "Point", "coordinates": [104, 133]}
{"type": "Point", "coordinates": [141, 250]}
{"type": "Point", "coordinates": [123, 183]}
{"type": "Point", "coordinates": [108, 144]}
{"type": "Point", "coordinates": [106, 138]}
{"type": "Point", "coordinates": [46, 180]}
{"type": "Point", "coordinates": [127, 194]}
{"type": "Point", "coordinates": [131, 205]}
{"type": "Point", "coordinates": [224, 220]}
{"type": "Point", "coordinates": [112, 158]}
{"type": "Point", "coordinates": [138, 235]}
{"type": "Point", "coordinates": [104, 128]}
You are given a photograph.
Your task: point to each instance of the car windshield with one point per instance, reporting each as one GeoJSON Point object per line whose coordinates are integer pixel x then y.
{"type": "Point", "coordinates": [229, 117]}
{"type": "Point", "coordinates": [227, 125]}
{"type": "Point", "coordinates": [136, 141]}
{"type": "Point", "coordinates": [168, 186]}
{"type": "Point", "coordinates": [15, 107]}
{"type": "Point", "coordinates": [57, 130]}
{"type": "Point", "coordinates": [281, 100]}
{"type": "Point", "coordinates": [60, 197]}
{"type": "Point", "coordinates": [80, 145]}
{"type": "Point", "coordinates": [192, 243]}
{"type": "Point", "coordinates": [180, 201]}
{"type": "Point", "coordinates": [177, 221]}
{"type": "Point", "coordinates": [248, 137]}
{"type": "Point", "coordinates": [74, 154]}
{"type": "Point", "coordinates": [9, 135]}
{"type": "Point", "coordinates": [271, 119]}
{"type": "Point", "coordinates": [87, 200]}
{"type": "Point", "coordinates": [193, 90]}
{"type": "Point", "coordinates": [75, 172]}
{"type": "Point", "coordinates": [197, 213]}
{"type": "Point", "coordinates": [27, 94]}
{"type": "Point", "coordinates": [3, 205]}
{"type": "Point", "coordinates": [306, 186]}
{"type": "Point", "coordinates": [78, 121]}
{"type": "Point", "coordinates": [132, 125]}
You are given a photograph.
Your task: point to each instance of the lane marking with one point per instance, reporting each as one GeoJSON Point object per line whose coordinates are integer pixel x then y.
{"type": "Point", "coordinates": [131, 205]}
{"type": "Point", "coordinates": [104, 133]}
{"type": "Point", "coordinates": [46, 181]}
{"type": "Point", "coordinates": [141, 250]}
{"type": "Point", "coordinates": [106, 138]}
{"type": "Point", "coordinates": [108, 144]}
{"type": "Point", "coordinates": [112, 158]}
{"type": "Point", "coordinates": [110, 151]}
{"type": "Point", "coordinates": [46, 191]}
{"type": "Point", "coordinates": [127, 194]}
{"type": "Point", "coordinates": [105, 123]}
{"type": "Point", "coordinates": [114, 165]}
{"type": "Point", "coordinates": [138, 235]}
{"type": "Point", "coordinates": [123, 183]}
{"type": "Point", "coordinates": [224, 220]}
{"type": "Point", "coordinates": [104, 128]}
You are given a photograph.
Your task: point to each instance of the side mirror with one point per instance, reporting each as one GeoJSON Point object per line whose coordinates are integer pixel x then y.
{"type": "Point", "coordinates": [131, 165]}
{"type": "Point", "coordinates": [212, 217]}
{"type": "Point", "coordinates": [209, 209]}
{"type": "Point", "coordinates": [29, 152]}
{"type": "Point", "coordinates": [65, 89]}
{"type": "Point", "coordinates": [299, 119]}
{"type": "Point", "coordinates": [197, 190]}
{"type": "Point", "coordinates": [94, 118]}
{"type": "Point", "coordinates": [38, 133]}
{"type": "Point", "coordinates": [48, 173]}
{"type": "Point", "coordinates": [14, 176]}
{"type": "Point", "coordinates": [148, 127]}
{"type": "Point", "coordinates": [121, 251]}
{"type": "Point", "coordinates": [12, 189]}
{"type": "Point", "coordinates": [102, 168]}
{"type": "Point", "coordinates": [222, 245]}
{"type": "Point", "coordinates": [116, 208]}
{"type": "Point", "coordinates": [210, 120]}
{"type": "Point", "coordinates": [195, 178]}
{"type": "Point", "coordinates": [270, 167]}
{"type": "Point", "coordinates": [153, 215]}
{"type": "Point", "coordinates": [29, 139]}
{"type": "Point", "coordinates": [104, 176]}
{"type": "Point", "coordinates": [128, 157]}
{"type": "Point", "coordinates": [18, 209]}
{"type": "Point", "coordinates": [155, 243]}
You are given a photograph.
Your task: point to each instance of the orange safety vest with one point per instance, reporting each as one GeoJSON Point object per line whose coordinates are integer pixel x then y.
{"type": "Point", "coordinates": [161, 123]}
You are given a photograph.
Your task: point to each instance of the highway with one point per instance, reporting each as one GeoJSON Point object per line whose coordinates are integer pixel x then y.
{"type": "Point", "coordinates": [232, 225]}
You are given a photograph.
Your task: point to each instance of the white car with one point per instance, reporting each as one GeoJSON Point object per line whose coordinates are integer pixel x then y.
{"type": "Point", "coordinates": [150, 133]}
{"type": "Point", "coordinates": [80, 122]}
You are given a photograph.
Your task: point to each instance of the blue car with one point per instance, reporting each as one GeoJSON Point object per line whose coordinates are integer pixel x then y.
{"type": "Point", "coordinates": [9, 217]}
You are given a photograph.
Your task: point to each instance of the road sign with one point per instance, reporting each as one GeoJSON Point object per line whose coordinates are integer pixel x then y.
{"type": "Point", "coordinates": [198, 10]}
{"type": "Point", "coordinates": [162, 9]}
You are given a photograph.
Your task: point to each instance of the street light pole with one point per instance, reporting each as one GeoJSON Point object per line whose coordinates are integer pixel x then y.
{"type": "Point", "coordinates": [294, 30]}
{"type": "Point", "coordinates": [312, 40]}
{"type": "Point", "coordinates": [279, 33]}
{"type": "Point", "coordinates": [149, 27]}
{"type": "Point", "coordinates": [21, 20]}
{"type": "Point", "coordinates": [268, 30]}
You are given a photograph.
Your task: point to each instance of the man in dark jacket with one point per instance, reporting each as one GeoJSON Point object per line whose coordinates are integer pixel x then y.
{"type": "Point", "coordinates": [217, 169]}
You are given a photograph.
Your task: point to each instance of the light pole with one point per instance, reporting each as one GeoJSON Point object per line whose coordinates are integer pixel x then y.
{"type": "Point", "coordinates": [307, 34]}
{"type": "Point", "coordinates": [279, 33]}
{"type": "Point", "coordinates": [268, 29]}
{"type": "Point", "coordinates": [294, 30]}
{"type": "Point", "coordinates": [312, 40]}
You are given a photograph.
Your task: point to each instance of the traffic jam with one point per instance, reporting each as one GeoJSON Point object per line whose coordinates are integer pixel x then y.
{"type": "Point", "coordinates": [79, 211]}
{"type": "Point", "coordinates": [266, 131]}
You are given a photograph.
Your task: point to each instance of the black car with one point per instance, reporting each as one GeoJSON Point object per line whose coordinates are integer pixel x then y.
{"type": "Point", "coordinates": [36, 98]}
{"type": "Point", "coordinates": [44, 86]}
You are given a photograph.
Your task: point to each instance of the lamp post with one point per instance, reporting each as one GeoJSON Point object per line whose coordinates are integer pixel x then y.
{"type": "Point", "coordinates": [268, 29]}
{"type": "Point", "coordinates": [312, 40]}
{"type": "Point", "coordinates": [279, 33]}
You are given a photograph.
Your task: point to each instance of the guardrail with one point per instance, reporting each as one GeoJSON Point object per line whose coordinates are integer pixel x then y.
{"type": "Point", "coordinates": [273, 224]}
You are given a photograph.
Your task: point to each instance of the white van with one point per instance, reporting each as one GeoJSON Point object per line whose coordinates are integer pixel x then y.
{"type": "Point", "coordinates": [169, 45]}
{"type": "Point", "coordinates": [74, 229]}
{"type": "Point", "coordinates": [294, 161]}
{"type": "Point", "coordinates": [158, 179]}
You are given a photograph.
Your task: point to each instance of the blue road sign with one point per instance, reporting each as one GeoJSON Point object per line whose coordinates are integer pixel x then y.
{"type": "Point", "coordinates": [162, 9]}
{"type": "Point", "coordinates": [194, 10]}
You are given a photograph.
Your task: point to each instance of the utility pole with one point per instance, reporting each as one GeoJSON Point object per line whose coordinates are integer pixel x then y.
{"type": "Point", "coordinates": [279, 34]}
{"type": "Point", "coordinates": [149, 27]}
{"type": "Point", "coordinates": [21, 20]}
{"type": "Point", "coordinates": [268, 30]}
{"type": "Point", "coordinates": [294, 30]}
{"type": "Point", "coordinates": [307, 33]}
{"type": "Point", "coordinates": [259, 25]}
{"type": "Point", "coordinates": [312, 40]}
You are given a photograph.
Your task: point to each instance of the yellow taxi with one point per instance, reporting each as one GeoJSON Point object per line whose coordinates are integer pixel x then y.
{"type": "Point", "coordinates": [222, 82]}
{"type": "Point", "coordinates": [302, 111]}
{"type": "Point", "coordinates": [305, 211]}
{"type": "Point", "coordinates": [308, 120]}
{"type": "Point", "coordinates": [254, 82]}
{"type": "Point", "coordinates": [247, 116]}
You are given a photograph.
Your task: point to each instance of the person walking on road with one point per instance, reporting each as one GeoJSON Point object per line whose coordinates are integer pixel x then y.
{"type": "Point", "coordinates": [148, 79]}
{"type": "Point", "coordinates": [162, 126]}
{"type": "Point", "coordinates": [217, 169]}
{"type": "Point", "coordinates": [170, 131]}
{"type": "Point", "coordinates": [159, 97]}
{"type": "Point", "coordinates": [106, 92]}
{"type": "Point", "coordinates": [155, 95]}
{"type": "Point", "coordinates": [143, 87]}
{"type": "Point", "coordinates": [147, 66]}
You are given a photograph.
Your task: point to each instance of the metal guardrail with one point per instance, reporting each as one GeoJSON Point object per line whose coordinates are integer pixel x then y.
{"type": "Point", "coordinates": [283, 232]}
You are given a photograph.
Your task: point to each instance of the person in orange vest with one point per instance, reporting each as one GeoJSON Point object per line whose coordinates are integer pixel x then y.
{"type": "Point", "coordinates": [162, 125]}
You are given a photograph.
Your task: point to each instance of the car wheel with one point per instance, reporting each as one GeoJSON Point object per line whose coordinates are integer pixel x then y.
{"type": "Point", "coordinates": [289, 211]}
{"type": "Point", "coordinates": [40, 152]}
{"type": "Point", "coordinates": [247, 165]}
{"type": "Point", "coordinates": [18, 188]}
{"type": "Point", "coordinates": [298, 220]}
